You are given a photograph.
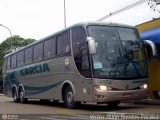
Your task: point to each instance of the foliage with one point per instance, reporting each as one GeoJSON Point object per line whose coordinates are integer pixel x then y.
{"type": "Point", "coordinates": [16, 42]}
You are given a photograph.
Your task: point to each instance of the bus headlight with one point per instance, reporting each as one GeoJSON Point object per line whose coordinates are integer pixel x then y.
{"type": "Point", "coordinates": [103, 87]}
{"type": "Point", "coordinates": [144, 86]}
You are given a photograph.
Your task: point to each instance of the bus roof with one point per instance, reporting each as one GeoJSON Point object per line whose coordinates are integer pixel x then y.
{"type": "Point", "coordinates": [84, 24]}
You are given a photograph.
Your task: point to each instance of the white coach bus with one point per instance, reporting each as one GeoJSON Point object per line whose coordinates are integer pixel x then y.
{"type": "Point", "coordinates": [87, 62]}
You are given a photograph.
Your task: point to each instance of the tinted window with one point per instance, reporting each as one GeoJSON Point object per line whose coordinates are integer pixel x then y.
{"type": "Point", "coordinates": [8, 62]}
{"type": "Point", "coordinates": [80, 51]}
{"type": "Point", "coordinates": [78, 37]}
{"type": "Point", "coordinates": [13, 63]}
{"type": "Point", "coordinates": [5, 64]}
{"type": "Point", "coordinates": [84, 66]}
{"type": "Point", "coordinates": [63, 43]}
{"type": "Point", "coordinates": [28, 55]}
{"type": "Point", "coordinates": [85, 62]}
{"type": "Point", "coordinates": [20, 58]}
{"type": "Point", "coordinates": [49, 48]}
{"type": "Point", "coordinates": [38, 52]}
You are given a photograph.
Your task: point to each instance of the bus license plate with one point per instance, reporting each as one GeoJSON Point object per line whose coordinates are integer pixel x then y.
{"type": "Point", "coordinates": [127, 95]}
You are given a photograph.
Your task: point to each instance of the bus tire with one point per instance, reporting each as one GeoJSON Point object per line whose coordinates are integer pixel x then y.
{"type": "Point", "coordinates": [21, 95]}
{"type": "Point", "coordinates": [15, 96]}
{"type": "Point", "coordinates": [69, 98]}
{"type": "Point", "coordinates": [113, 104]}
{"type": "Point", "coordinates": [159, 94]}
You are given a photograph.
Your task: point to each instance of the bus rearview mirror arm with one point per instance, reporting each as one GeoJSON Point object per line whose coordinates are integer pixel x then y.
{"type": "Point", "coordinates": [91, 45]}
{"type": "Point", "coordinates": [153, 47]}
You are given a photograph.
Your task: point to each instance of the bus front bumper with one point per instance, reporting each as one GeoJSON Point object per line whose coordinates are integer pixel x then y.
{"type": "Point", "coordinates": [108, 96]}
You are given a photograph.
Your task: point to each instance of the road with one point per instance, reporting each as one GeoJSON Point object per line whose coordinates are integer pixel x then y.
{"type": "Point", "coordinates": [36, 110]}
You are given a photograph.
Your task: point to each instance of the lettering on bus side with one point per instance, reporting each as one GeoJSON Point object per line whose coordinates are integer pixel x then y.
{"type": "Point", "coordinates": [139, 81]}
{"type": "Point", "coordinates": [35, 69]}
{"type": "Point", "coordinates": [107, 81]}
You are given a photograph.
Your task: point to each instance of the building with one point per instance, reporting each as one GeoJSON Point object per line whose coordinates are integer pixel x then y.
{"type": "Point", "coordinates": [150, 30]}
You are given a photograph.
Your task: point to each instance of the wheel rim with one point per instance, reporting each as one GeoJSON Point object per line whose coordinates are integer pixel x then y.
{"type": "Point", "coordinates": [70, 97]}
{"type": "Point", "coordinates": [15, 95]}
{"type": "Point", "coordinates": [21, 96]}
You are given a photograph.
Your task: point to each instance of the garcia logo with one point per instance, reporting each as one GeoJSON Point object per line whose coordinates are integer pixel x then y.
{"type": "Point", "coordinates": [35, 69]}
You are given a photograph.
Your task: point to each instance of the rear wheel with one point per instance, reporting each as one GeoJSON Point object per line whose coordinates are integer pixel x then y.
{"type": "Point", "coordinates": [158, 94]}
{"type": "Point", "coordinates": [69, 98]}
{"type": "Point", "coordinates": [113, 104]}
{"type": "Point", "coordinates": [15, 95]}
{"type": "Point", "coordinates": [22, 99]}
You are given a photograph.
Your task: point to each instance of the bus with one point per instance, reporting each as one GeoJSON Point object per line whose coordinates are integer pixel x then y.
{"type": "Point", "coordinates": [87, 62]}
{"type": "Point", "coordinates": [154, 62]}
{"type": "Point", "coordinates": [150, 30]}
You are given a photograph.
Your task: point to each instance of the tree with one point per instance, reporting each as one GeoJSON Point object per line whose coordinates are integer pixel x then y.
{"type": "Point", "coordinates": [5, 47]}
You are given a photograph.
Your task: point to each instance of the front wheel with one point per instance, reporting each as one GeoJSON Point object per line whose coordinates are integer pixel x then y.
{"type": "Point", "coordinates": [69, 98]}
{"type": "Point", "coordinates": [157, 94]}
{"type": "Point", "coordinates": [22, 99]}
{"type": "Point", "coordinates": [113, 104]}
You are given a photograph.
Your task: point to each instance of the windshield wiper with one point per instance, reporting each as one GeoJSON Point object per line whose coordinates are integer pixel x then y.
{"type": "Point", "coordinates": [131, 42]}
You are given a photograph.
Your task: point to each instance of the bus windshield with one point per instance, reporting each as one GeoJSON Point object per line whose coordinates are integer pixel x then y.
{"type": "Point", "coordinates": [119, 53]}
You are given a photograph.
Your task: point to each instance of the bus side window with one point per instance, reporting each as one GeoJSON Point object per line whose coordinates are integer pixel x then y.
{"type": "Point", "coordinates": [20, 58]}
{"type": "Point", "coordinates": [28, 55]}
{"type": "Point", "coordinates": [63, 43]}
{"type": "Point", "coordinates": [13, 60]}
{"type": "Point", "coordinates": [38, 52]}
{"type": "Point", "coordinates": [85, 71]}
{"type": "Point", "coordinates": [78, 38]}
{"type": "Point", "coordinates": [8, 62]}
{"type": "Point", "coordinates": [50, 48]}
{"type": "Point", "coordinates": [4, 65]}
{"type": "Point", "coordinates": [80, 51]}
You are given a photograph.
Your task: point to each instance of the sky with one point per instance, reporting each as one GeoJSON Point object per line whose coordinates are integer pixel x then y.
{"type": "Point", "coordinates": [39, 18]}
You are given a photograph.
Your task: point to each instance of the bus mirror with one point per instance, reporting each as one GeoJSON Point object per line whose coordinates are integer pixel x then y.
{"type": "Point", "coordinates": [91, 45]}
{"type": "Point", "coordinates": [153, 47]}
